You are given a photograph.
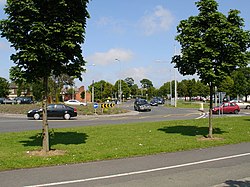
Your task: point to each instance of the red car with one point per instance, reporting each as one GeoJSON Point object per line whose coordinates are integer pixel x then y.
{"type": "Point", "coordinates": [227, 107]}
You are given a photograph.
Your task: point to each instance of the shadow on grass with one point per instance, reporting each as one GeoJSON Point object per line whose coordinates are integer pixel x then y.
{"type": "Point", "coordinates": [190, 130]}
{"type": "Point", "coordinates": [65, 138]}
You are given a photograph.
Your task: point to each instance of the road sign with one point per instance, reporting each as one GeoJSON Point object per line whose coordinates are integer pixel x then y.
{"type": "Point", "coordinates": [107, 105]}
{"type": "Point", "coordinates": [95, 105]}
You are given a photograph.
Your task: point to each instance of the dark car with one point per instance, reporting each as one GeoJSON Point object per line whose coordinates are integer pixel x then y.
{"type": "Point", "coordinates": [24, 100]}
{"type": "Point", "coordinates": [54, 110]}
{"type": "Point", "coordinates": [7, 101]}
{"type": "Point", "coordinates": [160, 100]}
{"type": "Point", "coordinates": [154, 102]}
{"type": "Point", "coordinates": [228, 107]}
{"type": "Point", "coordinates": [141, 105]}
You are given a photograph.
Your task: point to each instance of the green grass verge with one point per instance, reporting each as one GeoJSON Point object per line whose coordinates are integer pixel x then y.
{"type": "Point", "coordinates": [189, 104]}
{"type": "Point", "coordinates": [93, 143]}
{"type": "Point", "coordinates": [81, 110]}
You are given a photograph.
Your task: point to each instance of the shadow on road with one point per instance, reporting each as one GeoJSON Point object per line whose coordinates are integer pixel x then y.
{"type": "Point", "coordinates": [65, 138]}
{"type": "Point", "coordinates": [190, 130]}
{"type": "Point", "coordinates": [233, 183]}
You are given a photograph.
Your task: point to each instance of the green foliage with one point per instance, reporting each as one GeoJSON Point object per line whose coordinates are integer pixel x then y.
{"type": "Point", "coordinates": [83, 95]}
{"type": "Point", "coordinates": [130, 81]}
{"type": "Point", "coordinates": [145, 83]}
{"type": "Point", "coordinates": [47, 40]}
{"type": "Point", "coordinates": [212, 44]}
{"type": "Point", "coordinates": [4, 87]}
{"type": "Point", "coordinates": [241, 79]}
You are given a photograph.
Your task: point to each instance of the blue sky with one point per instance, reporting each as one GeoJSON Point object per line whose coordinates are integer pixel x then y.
{"type": "Point", "coordinates": [139, 33]}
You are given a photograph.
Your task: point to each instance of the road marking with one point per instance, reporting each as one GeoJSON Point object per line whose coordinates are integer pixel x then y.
{"type": "Point", "coordinates": [203, 115]}
{"type": "Point", "coordinates": [140, 172]}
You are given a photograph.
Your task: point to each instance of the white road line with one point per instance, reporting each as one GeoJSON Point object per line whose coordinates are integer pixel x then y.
{"type": "Point", "coordinates": [140, 172]}
{"type": "Point", "coordinates": [203, 115]}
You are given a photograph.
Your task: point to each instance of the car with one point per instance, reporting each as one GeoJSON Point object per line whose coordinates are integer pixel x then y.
{"type": "Point", "coordinates": [7, 101]}
{"type": "Point", "coordinates": [141, 105]}
{"type": "Point", "coordinates": [241, 104]}
{"type": "Point", "coordinates": [154, 102]}
{"type": "Point", "coordinates": [160, 100]}
{"type": "Point", "coordinates": [24, 100]}
{"type": "Point", "coordinates": [54, 110]}
{"type": "Point", "coordinates": [227, 107]}
{"type": "Point", "coordinates": [75, 102]}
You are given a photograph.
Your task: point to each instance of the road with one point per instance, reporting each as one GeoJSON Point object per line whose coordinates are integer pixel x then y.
{"type": "Point", "coordinates": [15, 123]}
{"type": "Point", "coordinates": [202, 167]}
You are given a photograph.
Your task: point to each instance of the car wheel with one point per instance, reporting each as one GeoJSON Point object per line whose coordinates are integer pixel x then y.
{"type": "Point", "coordinates": [236, 112]}
{"type": "Point", "coordinates": [248, 107]}
{"type": "Point", "coordinates": [66, 116]}
{"type": "Point", "coordinates": [36, 116]}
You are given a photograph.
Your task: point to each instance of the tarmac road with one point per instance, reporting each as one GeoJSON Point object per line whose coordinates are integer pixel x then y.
{"type": "Point", "coordinates": [15, 123]}
{"type": "Point", "coordinates": [225, 166]}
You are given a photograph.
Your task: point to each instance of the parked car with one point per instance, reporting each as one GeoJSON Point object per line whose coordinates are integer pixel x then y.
{"type": "Point", "coordinates": [160, 100]}
{"type": "Point", "coordinates": [75, 102]}
{"type": "Point", "coordinates": [7, 101]}
{"type": "Point", "coordinates": [24, 100]}
{"type": "Point", "coordinates": [154, 102]}
{"type": "Point", "coordinates": [227, 107]}
{"type": "Point", "coordinates": [241, 104]}
{"type": "Point", "coordinates": [54, 110]}
{"type": "Point", "coordinates": [141, 105]}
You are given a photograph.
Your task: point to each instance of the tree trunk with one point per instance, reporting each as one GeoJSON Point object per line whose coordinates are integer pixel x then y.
{"type": "Point", "coordinates": [45, 119]}
{"type": "Point", "coordinates": [210, 129]}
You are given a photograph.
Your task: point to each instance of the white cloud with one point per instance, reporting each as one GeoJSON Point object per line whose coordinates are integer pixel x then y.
{"type": "Point", "coordinates": [159, 20]}
{"type": "Point", "coordinates": [105, 58]}
{"type": "Point", "coordinates": [116, 26]}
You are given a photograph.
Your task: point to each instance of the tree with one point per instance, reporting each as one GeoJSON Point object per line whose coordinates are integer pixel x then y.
{"type": "Point", "coordinates": [130, 81]}
{"type": "Point", "coordinates": [124, 88]}
{"type": "Point", "coordinates": [134, 90]}
{"type": "Point", "coordinates": [241, 79]}
{"type": "Point", "coordinates": [212, 46]}
{"type": "Point", "coordinates": [145, 83]}
{"type": "Point", "coordinates": [164, 89]}
{"type": "Point", "coordinates": [4, 87]}
{"type": "Point", "coordinates": [226, 85]}
{"type": "Point", "coordinates": [47, 41]}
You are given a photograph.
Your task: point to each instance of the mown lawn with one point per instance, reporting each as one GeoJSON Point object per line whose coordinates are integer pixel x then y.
{"type": "Point", "coordinates": [81, 110]}
{"type": "Point", "coordinates": [83, 144]}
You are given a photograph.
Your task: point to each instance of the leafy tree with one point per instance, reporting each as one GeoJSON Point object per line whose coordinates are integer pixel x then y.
{"type": "Point", "coordinates": [47, 41]}
{"type": "Point", "coordinates": [164, 89]}
{"type": "Point", "coordinates": [4, 87]}
{"type": "Point", "coordinates": [226, 86]}
{"type": "Point", "coordinates": [134, 90]}
{"type": "Point", "coordinates": [130, 81]}
{"type": "Point", "coordinates": [37, 90]}
{"type": "Point", "coordinates": [145, 83]}
{"type": "Point", "coordinates": [212, 46]}
{"type": "Point", "coordinates": [241, 78]}
{"type": "Point", "coordinates": [108, 90]}
{"type": "Point", "coordinates": [202, 89]}
{"type": "Point", "coordinates": [83, 94]}
{"type": "Point", "coordinates": [124, 87]}
{"type": "Point", "coordinates": [21, 83]}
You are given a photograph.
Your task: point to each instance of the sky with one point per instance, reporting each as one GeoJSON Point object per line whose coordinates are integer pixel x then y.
{"type": "Point", "coordinates": [132, 38]}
